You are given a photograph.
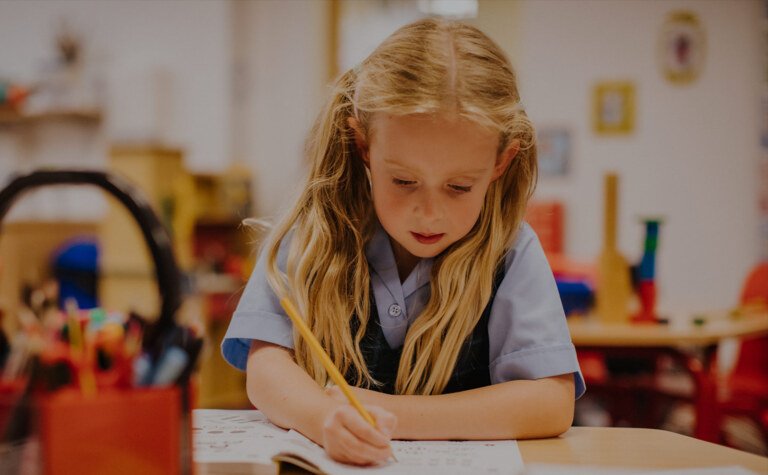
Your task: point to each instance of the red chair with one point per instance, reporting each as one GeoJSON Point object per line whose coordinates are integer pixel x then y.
{"type": "Point", "coordinates": [744, 392]}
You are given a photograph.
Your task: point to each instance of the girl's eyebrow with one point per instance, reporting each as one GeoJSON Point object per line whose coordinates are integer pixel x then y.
{"type": "Point", "coordinates": [473, 172]}
{"type": "Point", "coordinates": [393, 162]}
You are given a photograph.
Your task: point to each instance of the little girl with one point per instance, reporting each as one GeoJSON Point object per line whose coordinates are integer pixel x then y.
{"type": "Point", "coordinates": [407, 255]}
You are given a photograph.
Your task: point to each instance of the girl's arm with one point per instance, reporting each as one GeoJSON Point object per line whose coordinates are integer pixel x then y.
{"type": "Point", "coordinates": [291, 399]}
{"type": "Point", "coordinates": [522, 409]}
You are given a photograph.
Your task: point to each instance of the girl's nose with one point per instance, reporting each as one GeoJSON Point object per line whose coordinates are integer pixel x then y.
{"type": "Point", "coordinates": [427, 206]}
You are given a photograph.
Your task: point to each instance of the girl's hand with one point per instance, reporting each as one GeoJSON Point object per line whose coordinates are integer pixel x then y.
{"type": "Point", "coordinates": [348, 438]}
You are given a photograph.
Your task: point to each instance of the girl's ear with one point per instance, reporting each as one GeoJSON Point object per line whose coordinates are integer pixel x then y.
{"type": "Point", "coordinates": [360, 141]}
{"type": "Point", "coordinates": [505, 158]}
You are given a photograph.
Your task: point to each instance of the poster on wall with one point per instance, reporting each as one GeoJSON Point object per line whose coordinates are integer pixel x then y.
{"type": "Point", "coordinates": [554, 150]}
{"type": "Point", "coordinates": [682, 47]}
{"type": "Point", "coordinates": [613, 108]}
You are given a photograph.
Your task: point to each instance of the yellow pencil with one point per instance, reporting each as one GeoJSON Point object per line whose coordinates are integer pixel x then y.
{"type": "Point", "coordinates": [82, 349]}
{"type": "Point", "coordinates": [74, 332]}
{"type": "Point", "coordinates": [334, 373]}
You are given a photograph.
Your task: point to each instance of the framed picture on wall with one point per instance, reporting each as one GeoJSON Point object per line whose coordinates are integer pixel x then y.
{"type": "Point", "coordinates": [613, 108]}
{"type": "Point", "coordinates": [554, 150]}
{"type": "Point", "coordinates": [682, 47]}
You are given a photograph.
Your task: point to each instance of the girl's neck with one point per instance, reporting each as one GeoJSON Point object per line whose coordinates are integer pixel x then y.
{"type": "Point", "coordinates": [406, 261]}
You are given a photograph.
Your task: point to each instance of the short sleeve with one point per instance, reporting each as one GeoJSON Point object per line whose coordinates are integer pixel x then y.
{"type": "Point", "coordinates": [258, 315]}
{"type": "Point", "coordinates": [528, 333]}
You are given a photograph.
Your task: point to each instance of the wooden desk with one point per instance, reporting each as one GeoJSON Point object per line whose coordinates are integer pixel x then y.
{"type": "Point", "coordinates": [635, 448]}
{"type": "Point", "coordinates": [694, 346]}
{"type": "Point", "coordinates": [604, 447]}
{"type": "Point", "coordinates": [591, 332]}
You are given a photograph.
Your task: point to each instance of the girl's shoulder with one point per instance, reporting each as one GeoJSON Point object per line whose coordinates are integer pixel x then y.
{"type": "Point", "coordinates": [525, 246]}
{"type": "Point", "coordinates": [525, 233]}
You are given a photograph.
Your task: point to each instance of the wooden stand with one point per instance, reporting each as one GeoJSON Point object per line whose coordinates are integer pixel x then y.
{"type": "Point", "coordinates": [613, 285]}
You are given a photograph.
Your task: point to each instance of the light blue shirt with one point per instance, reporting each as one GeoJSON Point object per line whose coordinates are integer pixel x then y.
{"type": "Point", "coordinates": [528, 334]}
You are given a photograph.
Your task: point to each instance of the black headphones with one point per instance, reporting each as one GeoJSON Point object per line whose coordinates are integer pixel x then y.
{"type": "Point", "coordinates": [155, 234]}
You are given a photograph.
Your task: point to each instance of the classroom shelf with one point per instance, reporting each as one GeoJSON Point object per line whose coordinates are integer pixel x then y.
{"type": "Point", "coordinates": [84, 116]}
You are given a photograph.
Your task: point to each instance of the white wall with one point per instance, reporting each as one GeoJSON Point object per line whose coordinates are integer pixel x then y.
{"type": "Point", "coordinates": [246, 78]}
{"type": "Point", "coordinates": [286, 64]}
{"type": "Point", "coordinates": [132, 41]}
{"type": "Point", "coordinates": [693, 156]}
{"type": "Point", "coordinates": [363, 25]}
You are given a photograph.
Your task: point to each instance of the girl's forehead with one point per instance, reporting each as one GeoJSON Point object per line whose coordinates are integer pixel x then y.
{"type": "Point", "coordinates": [445, 125]}
{"type": "Point", "coordinates": [449, 143]}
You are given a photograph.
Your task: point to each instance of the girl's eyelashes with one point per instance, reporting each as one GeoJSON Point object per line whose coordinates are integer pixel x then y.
{"type": "Point", "coordinates": [399, 182]}
{"type": "Point", "coordinates": [460, 188]}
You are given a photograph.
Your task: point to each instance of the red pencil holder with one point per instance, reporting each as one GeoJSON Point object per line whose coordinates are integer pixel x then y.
{"type": "Point", "coordinates": [119, 430]}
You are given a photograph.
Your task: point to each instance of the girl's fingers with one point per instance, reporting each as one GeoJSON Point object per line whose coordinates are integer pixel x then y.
{"type": "Point", "coordinates": [364, 431]}
{"type": "Point", "coordinates": [349, 438]}
{"type": "Point", "coordinates": [385, 420]}
{"type": "Point", "coordinates": [358, 452]}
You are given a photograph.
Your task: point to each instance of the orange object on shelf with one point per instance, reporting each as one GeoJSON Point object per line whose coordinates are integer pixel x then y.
{"type": "Point", "coordinates": [546, 219]}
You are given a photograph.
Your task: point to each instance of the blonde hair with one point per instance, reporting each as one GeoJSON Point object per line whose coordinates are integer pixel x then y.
{"type": "Point", "coordinates": [427, 67]}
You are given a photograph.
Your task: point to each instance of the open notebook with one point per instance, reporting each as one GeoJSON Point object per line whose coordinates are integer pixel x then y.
{"type": "Point", "coordinates": [224, 437]}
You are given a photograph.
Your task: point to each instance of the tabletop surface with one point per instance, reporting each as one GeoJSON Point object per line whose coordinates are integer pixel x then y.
{"type": "Point", "coordinates": [635, 448]}
{"type": "Point", "coordinates": [717, 326]}
{"type": "Point", "coordinates": [604, 447]}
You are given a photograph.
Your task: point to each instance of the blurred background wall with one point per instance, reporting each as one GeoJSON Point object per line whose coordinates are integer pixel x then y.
{"type": "Point", "coordinates": [694, 153]}
{"type": "Point", "coordinates": [161, 68]}
{"type": "Point", "coordinates": [241, 81]}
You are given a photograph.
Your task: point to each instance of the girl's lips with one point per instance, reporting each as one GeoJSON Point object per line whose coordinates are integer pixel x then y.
{"type": "Point", "coordinates": [427, 238]}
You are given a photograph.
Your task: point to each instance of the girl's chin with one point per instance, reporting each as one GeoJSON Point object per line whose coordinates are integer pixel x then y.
{"type": "Point", "coordinates": [426, 251]}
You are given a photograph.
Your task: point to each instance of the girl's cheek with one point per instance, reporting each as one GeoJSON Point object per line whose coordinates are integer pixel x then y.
{"type": "Point", "coordinates": [394, 197]}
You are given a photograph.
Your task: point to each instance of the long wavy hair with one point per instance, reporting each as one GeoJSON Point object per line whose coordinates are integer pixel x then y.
{"type": "Point", "coordinates": [427, 67]}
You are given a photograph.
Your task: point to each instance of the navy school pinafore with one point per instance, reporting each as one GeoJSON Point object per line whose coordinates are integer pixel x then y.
{"type": "Point", "coordinates": [472, 366]}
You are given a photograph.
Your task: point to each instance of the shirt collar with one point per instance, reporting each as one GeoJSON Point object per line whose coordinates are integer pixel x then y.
{"type": "Point", "coordinates": [381, 259]}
